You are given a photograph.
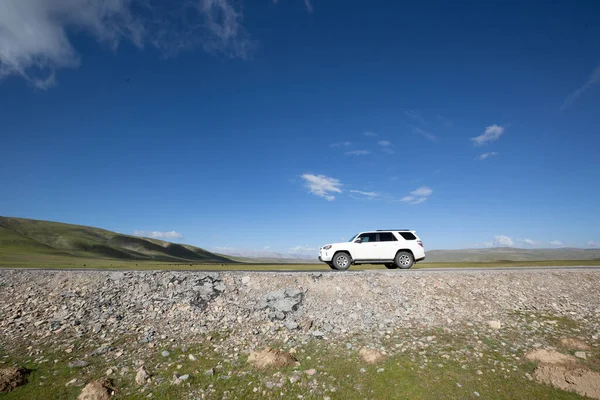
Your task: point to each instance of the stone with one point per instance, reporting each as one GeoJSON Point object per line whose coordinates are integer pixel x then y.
{"type": "Point", "coordinates": [100, 389]}
{"type": "Point", "coordinates": [310, 372]}
{"type": "Point", "coordinates": [78, 364]}
{"type": "Point", "coordinates": [495, 324]}
{"type": "Point", "coordinates": [581, 354]}
{"type": "Point", "coordinates": [192, 357]}
{"type": "Point", "coordinates": [142, 376]}
{"type": "Point", "coordinates": [165, 353]}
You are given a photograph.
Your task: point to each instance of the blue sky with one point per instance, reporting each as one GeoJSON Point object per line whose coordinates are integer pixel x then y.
{"type": "Point", "coordinates": [282, 126]}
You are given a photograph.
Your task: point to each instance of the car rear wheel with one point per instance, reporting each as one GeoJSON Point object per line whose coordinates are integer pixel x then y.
{"type": "Point", "coordinates": [404, 260]}
{"type": "Point", "coordinates": [391, 266]}
{"type": "Point", "coordinates": [341, 261]}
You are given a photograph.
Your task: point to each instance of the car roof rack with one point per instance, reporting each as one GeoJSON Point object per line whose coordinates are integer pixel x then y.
{"type": "Point", "coordinates": [394, 230]}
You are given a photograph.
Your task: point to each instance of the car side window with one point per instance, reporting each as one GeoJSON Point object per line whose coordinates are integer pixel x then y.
{"type": "Point", "coordinates": [387, 237]}
{"type": "Point", "coordinates": [368, 237]}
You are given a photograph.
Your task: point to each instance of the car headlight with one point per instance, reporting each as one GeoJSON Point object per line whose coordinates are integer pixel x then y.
{"type": "Point", "coordinates": [327, 247]}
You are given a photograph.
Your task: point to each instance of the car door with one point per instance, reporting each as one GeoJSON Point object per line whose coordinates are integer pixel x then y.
{"type": "Point", "coordinates": [387, 246]}
{"type": "Point", "coordinates": [367, 248]}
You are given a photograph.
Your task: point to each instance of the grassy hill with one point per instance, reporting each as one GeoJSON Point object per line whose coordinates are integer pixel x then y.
{"type": "Point", "coordinates": [511, 254]}
{"type": "Point", "coordinates": [26, 239]}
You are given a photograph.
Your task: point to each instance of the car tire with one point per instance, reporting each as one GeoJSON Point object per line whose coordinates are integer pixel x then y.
{"type": "Point", "coordinates": [404, 259]}
{"type": "Point", "coordinates": [391, 266]}
{"type": "Point", "coordinates": [341, 261]}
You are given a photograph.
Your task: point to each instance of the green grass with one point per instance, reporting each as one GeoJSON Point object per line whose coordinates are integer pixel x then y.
{"type": "Point", "coordinates": [404, 376]}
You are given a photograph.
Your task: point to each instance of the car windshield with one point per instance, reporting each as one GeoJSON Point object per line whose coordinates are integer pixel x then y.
{"type": "Point", "coordinates": [353, 237]}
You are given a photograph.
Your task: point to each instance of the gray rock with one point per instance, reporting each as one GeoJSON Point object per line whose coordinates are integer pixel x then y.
{"type": "Point", "coordinates": [581, 354]}
{"type": "Point", "coordinates": [78, 364]}
{"type": "Point", "coordinates": [165, 353]}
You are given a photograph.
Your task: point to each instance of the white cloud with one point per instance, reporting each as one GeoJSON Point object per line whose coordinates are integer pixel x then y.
{"type": "Point", "coordinates": [340, 144]}
{"type": "Point", "coordinates": [425, 134]}
{"type": "Point", "coordinates": [369, 195]}
{"type": "Point", "coordinates": [322, 186]}
{"type": "Point", "coordinates": [530, 242]}
{"type": "Point", "coordinates": [372, 134]}
{"type": "Point", "coordinates": [501, 240]}
{"type": "Point", "coordinates": [158, 235]}
{"type": "Point", "coordinates": [35, 42]}
{"type": "Point", "coordinates": [418, 196]}
{"type": "Point", "coordinates": [385, 143]}
{"type": "Point", "coordinates": [486, 155]}
{"type": "Point", "coordinates": [357, 152]}
{"type": "Point", "coordinates": [491, 134]}
{"type": "Point", "coordinates": [591, 243]}
{"type": "Point", "coordinates": [594, 79]}
{"type": "Point", "coordinates": [556, 243]}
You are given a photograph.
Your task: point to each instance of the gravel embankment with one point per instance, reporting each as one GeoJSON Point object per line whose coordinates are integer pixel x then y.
{"type": "Point", "coordinates": [39, 306]}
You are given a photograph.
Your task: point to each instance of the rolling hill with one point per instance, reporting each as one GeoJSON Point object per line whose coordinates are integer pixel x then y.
{"type": "Point", "coordinates": [22, 238]}
{"type": "Point", "coordinates": [511, 254]}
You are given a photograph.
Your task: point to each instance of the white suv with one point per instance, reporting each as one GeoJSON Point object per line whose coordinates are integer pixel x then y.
{"type": "Point", "coordinates": [396, 248]}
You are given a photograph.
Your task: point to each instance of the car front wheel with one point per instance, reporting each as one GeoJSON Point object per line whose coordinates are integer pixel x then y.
{"type": "Point", "coordinates": [404, 260]}
{"type": "Point", "coordinates": [341, 261]}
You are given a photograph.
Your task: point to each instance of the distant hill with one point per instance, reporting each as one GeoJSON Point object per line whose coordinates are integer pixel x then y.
{"type": "Point", "coordinates": [511, 254]}
{"type": "Point", "coordinates": [20, 237]}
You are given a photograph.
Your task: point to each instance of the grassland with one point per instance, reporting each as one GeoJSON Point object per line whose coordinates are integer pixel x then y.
{"type": "Point", "coordinates": [341, 374]}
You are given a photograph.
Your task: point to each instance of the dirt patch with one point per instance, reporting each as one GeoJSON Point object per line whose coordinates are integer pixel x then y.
{"type": "Point", "coordinates": [269, 358]}
{"type": "Point", "coordinates": [371, 356]}
{"type": "Point", "coordinates": [578, 380]}
{"type": "Point", "coordinates": [100, 389]}
{"type": "Point", "coordinates": [11, 378]}
{"type": "Point", "coordinates": [575, 344]}
{"type": "Point", "coordinates": [549, 357]}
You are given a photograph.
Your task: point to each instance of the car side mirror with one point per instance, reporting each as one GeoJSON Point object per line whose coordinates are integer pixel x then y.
{"type": "Point", "coordinates": [359, 240]}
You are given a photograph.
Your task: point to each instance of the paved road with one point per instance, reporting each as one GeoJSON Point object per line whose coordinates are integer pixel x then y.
{"type": "Point", "coordinates": [456, 270]}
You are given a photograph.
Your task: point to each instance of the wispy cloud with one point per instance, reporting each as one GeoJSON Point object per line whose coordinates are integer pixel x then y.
{"type": "Point", "coordinates": [309, 6]}
{"type": "Point", "coordinates": [594, 79]}
{"type": "Point", "coordinates": [369, 133]}
{"type": "Point", "coordinates": [158, 235]}
{"type": "Point", "coordinates": [340, 144]}
{"type": "Point", "coordinates": [486, 155]}
{"type": "Point", "coordinates": [357, 152]}
{"type": "Point", "coordinates": [425, 134]}
{"type": "Point", "coordinates": [592, 243]}
{"type": "Point", "coordinates": [368, 195]}
{"type": "Point", "coordinates": [300, 249]}
{"type": "Point", "coordinates": [418, 196]}
{"type": "Point", "coordinates": [445, 122]}
{"type": "Point", "coordinates": [34, 39]}
{"type": "Point", "coordinates": [556, 243]}
{"type": "Point", "coordinates": [491, 134]}
{"type": "Point", "coordinates": [385, 143]}
{"type": "Point", "coordinates": [322, 186]}
{"type": "Point", "coordinates": [502, 241]}
{"type": "Point", "coordinates": [415, 114]}
{"type": "Point", "coordinates": [530, 242]}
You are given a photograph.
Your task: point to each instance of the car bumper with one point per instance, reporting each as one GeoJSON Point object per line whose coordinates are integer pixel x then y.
{"type": "Point", "coordinates": [420, 259]}
{"type": "Point", "coordinates": [325, 256]}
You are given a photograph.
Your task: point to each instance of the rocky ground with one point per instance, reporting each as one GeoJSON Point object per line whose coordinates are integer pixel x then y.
{"type": "Point", "coordinates": [149, 321]}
